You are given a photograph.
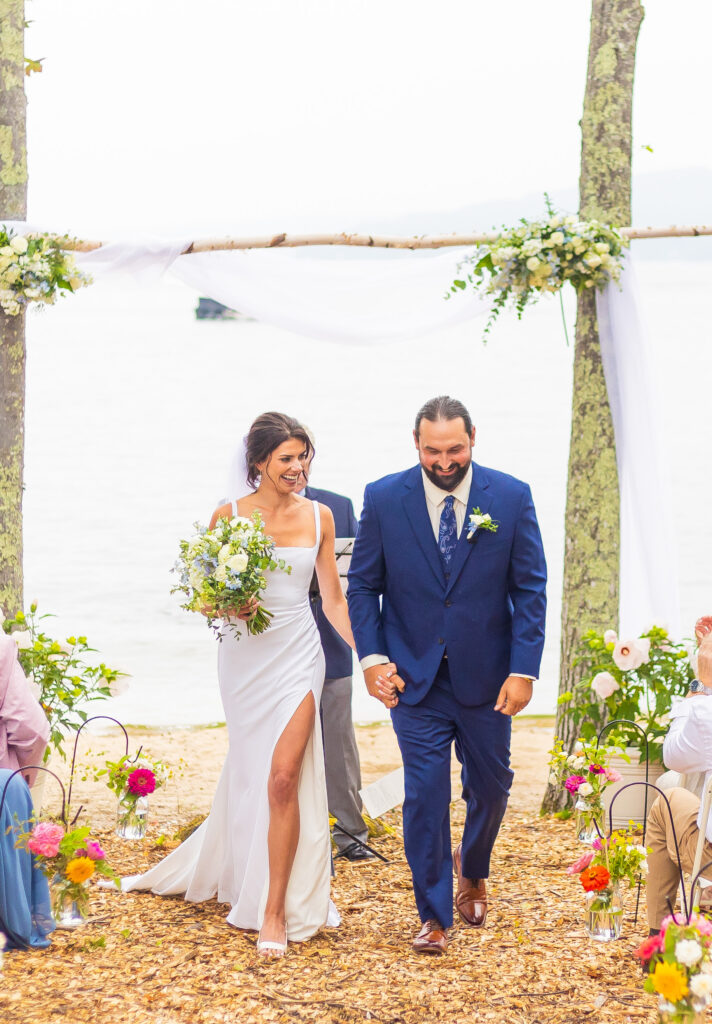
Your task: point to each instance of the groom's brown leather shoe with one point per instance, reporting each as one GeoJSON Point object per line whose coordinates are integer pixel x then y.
{"type": "Point", "coordinates": [432, 938]}
{"type": "Point", "coordinates": [471, 895]}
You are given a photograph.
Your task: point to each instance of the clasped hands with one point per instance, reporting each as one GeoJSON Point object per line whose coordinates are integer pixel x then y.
{"type": "Point", "coordinates": [384, 683]}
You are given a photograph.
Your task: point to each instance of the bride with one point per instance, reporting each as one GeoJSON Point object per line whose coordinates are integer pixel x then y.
{"type": "Point", "coordinates": [265, 846]}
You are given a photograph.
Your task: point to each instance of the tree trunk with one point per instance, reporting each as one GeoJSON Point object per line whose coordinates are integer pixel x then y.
{"type": "Point", "coordinates": [13, 206]}
{"type": "Point", "coordinates": [591, 553]}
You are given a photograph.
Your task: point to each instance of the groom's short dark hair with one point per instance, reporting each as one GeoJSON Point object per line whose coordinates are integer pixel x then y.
{"type": "Point", "coordinates": [443, 408]}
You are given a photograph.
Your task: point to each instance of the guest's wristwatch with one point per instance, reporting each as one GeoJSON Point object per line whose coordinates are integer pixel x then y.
{"type": "Point", "coordinates": [697, 687]}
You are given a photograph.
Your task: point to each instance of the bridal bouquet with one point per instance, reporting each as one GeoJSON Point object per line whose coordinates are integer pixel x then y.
{"type": "Point", "coordinates": [223, 569]}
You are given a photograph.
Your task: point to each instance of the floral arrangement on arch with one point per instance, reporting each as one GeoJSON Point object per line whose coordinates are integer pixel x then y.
{"type": "Point", "coordinates": [679, 962]}
{"type": "Point", "coordinates": [68, 859]}
{"type": "Point", "coordinates": [61, 677]}
{"type": "Point", "coordinates": [35, 269]}
{"type": "Point", "coordinates": [632, 678]}
{"type": "Point", "coordinates": [540, 256]}
{"type": "Point", "coordinates": [585, 774]}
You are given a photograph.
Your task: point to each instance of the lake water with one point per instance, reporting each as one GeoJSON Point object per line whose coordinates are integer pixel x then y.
{"type": "Point", "coordinates": [134, 408]}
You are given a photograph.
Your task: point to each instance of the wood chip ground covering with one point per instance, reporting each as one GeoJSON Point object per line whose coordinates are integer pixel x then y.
{"type": "Point", "coordinates": [141, 958]}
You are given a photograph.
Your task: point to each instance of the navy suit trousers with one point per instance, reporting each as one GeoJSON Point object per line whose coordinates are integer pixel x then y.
{"type": "Point", "coordinates": [426, 732]}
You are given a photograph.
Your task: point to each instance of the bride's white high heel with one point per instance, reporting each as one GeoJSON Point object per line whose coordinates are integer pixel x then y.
{"type": "Point", "coordinates": [271, 950]}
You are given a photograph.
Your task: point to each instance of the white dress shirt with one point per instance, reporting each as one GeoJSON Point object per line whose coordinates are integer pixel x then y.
{"type": "Point", "coordinates": [435, 500]}
{"type": "Point", "coordinates": [687, 747]}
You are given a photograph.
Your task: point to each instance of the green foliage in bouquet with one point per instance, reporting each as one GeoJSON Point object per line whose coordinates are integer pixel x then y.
{"type": "Point", "coordinates": [66, 682]}
{"type": "Point", "coordinates": [222, 570]}
{"type": "Point", "coordinates": [633, 679]}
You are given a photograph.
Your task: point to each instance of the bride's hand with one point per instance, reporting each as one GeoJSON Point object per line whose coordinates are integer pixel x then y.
{"type": "Point", "coordinates": [248, 610]}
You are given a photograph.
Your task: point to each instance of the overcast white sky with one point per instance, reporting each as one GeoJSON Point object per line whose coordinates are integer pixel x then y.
{"type": "Point", "coordinates": [231, 115]}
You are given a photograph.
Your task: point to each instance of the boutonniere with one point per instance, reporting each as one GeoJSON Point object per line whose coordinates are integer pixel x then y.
{"type": "Point", "coordinates": [480, 521]}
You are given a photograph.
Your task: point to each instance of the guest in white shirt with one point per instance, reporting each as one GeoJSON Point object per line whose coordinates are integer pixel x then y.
{"type": "Point", "coordinates": [687, 748]}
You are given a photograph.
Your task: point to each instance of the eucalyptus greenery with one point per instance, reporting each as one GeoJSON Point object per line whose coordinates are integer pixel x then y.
{"type": "Point", "coordinates": [66, 682]}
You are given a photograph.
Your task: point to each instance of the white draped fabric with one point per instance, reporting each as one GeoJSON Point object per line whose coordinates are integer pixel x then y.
{"type": "Point", "coordinates": [362, 301]}
{"type": "Point", "coordinates": [648, 574]}
{"type": "Point", "coordinates": [365, 299]}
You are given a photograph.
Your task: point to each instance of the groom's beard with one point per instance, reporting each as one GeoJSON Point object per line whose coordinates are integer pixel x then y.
{"type": "Point", "coordinates": [448, 483]}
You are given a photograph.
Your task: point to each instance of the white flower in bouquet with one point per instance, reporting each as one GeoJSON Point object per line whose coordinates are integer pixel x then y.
{"type": "Point", "coordinates": [604, 684]}
{"type": "Point", "coordinates": [238, 563]}
{"type": "Point", "coordinates": [585, 789]}
{"type": "Point", "coordinates": [19, 244]}
{"type": "Point", "coordinates": [610, 636]}
{"type": "Point", "coordinates": [688, 952]}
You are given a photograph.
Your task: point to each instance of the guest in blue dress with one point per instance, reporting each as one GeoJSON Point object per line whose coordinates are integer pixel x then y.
{"type": "Point", "coordinates": [25, 915]}
{"type": "Point", "coordinates": [25, 912]}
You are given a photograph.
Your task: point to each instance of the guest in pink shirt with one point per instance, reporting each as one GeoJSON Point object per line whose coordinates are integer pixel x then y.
{"type": "Point", "coordinates": [24, 729]}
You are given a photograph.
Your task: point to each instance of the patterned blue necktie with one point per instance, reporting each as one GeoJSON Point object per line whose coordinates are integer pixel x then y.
{"type": "Point", "coordinates": [447, 533]}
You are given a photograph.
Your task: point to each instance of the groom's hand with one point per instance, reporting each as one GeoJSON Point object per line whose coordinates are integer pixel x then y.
{"type": "Point", "coordinates": [514, 696]}
{"type": "Point", "coordinates": [383, 683]}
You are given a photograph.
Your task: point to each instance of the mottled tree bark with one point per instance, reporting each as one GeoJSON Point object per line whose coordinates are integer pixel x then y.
{"type": "Point", "coordinates": [591, 554]}
{"type": "Point", "coordinates": [13, 206]}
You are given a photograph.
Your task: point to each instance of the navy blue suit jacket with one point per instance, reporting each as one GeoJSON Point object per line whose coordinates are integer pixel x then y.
{"type": "Point", "coordinates": [338, 654]}
{"type": "Point", "coordinates": [488, 613]}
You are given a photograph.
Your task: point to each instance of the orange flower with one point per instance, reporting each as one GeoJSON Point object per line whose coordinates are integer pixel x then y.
{"type": "Point", "coordinates": [79, 869]}
{"type": "Point", "coordinates": [595, 878]}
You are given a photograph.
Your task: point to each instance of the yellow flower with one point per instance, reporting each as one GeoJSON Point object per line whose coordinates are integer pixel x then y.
{"type": "Point", "coordinates": [670, 982]}
{"type": "Point", "coordinates": [79, 869]}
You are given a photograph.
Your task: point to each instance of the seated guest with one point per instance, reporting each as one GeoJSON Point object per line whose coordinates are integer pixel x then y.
{"type": "Point", "coordinates": [687, 748]}
{"type": "Point", "coordinates": [24, 729]}
{"type": "Point", "coordinates": [25, 915]}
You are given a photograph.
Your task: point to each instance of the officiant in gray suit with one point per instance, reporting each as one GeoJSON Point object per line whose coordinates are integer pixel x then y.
{"type": "Point", "coordinates": [343, 766]}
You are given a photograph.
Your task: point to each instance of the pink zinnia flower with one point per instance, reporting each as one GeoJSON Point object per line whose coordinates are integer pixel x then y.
{"type": "Point", "coordinates": [94, 851]}
{"type": "Point", "coordinates": [597, 769]}
{"type": "Point", "coordinates": [573, 782]}
{"type": "Point", "coordinates": [648, 947]}
{"type": "Point", "coordinates": [597, 843]}
{"type": "Point", "coordinates": [45, 839]}
{"type": "Point", "coordinates": [142, 781]}
{"type": "Point", "coordinates": [612, 775]}
{"type": "Point", "coordinates": [581, 864]}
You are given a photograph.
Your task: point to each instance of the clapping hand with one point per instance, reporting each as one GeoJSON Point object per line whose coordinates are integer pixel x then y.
{"type": "Point", "coordinates": [384, 683]}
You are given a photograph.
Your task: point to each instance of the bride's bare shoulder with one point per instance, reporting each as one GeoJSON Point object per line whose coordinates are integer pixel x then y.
{"type": "Point", "coordinates": [222, 512]}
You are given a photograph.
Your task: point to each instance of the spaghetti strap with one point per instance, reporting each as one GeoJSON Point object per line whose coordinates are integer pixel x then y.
{"type": "Point", "coordinates": [317, 520]}
{"type": "Point", "coordinates": [234, 508]}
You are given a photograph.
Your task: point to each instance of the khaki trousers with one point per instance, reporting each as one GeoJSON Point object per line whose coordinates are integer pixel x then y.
{"type": "Point", "coordinates": [663, 874]}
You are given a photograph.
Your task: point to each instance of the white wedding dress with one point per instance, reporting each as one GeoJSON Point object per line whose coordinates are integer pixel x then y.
{"type": "Point", "coordinates": [263, 680]}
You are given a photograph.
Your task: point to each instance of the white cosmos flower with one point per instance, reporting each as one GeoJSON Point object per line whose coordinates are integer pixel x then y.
{"type": "Point", "coordinates": [118, 686]}
{"type": "Point", "coordinates": [23, 639]}
{"type": "Point", "coordinates": [604, 684]}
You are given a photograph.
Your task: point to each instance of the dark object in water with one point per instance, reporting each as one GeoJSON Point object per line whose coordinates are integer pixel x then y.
{"type": "Point", "coordinates": [209, 309]}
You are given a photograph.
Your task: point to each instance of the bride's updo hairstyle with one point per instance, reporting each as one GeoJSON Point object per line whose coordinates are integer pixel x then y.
{"type": "Point", "coordinates": [267, 433]}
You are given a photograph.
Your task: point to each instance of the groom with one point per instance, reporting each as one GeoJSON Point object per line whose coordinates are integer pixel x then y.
{"type": "Point", "coordinates": [448, 618]}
